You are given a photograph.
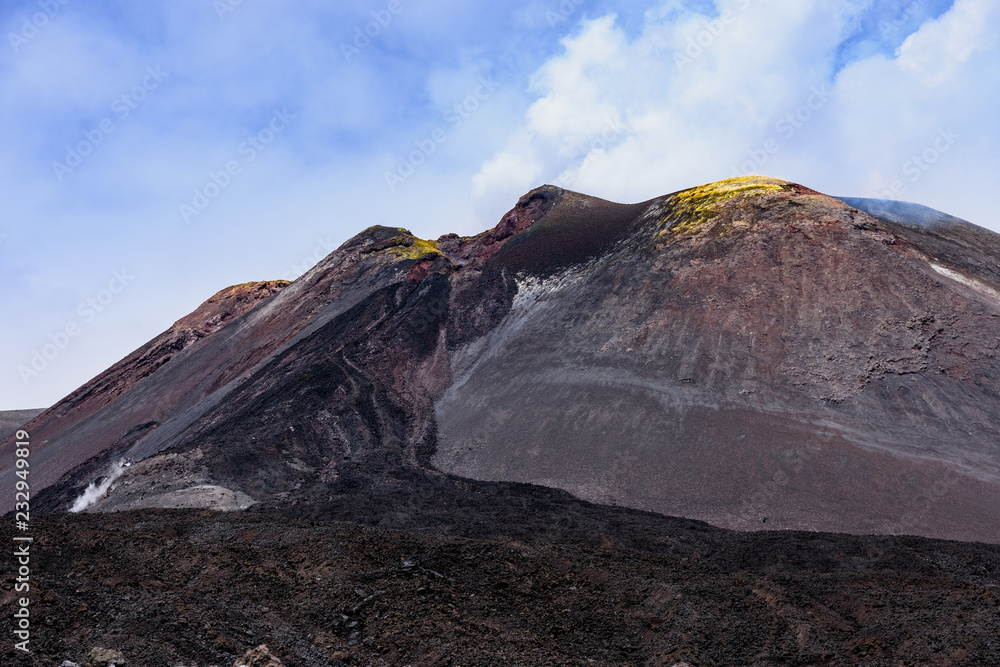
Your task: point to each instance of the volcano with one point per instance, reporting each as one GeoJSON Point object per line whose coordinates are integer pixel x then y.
{"type": "Point", "coordinates": [750, 353]}
{"type": "Point", "coordinates": [595, 434]}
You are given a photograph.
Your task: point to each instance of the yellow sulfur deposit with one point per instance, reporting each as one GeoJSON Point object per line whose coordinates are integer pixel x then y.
{"type": "Point", "coordinates": [690, 209]}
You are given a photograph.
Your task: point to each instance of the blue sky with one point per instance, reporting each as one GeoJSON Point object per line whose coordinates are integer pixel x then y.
{"type": "Point", "coordinates": [154, 153]}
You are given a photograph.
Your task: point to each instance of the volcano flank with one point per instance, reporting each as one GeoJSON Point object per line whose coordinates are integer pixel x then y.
{"type": "Point", "coordinates": [744, 352]}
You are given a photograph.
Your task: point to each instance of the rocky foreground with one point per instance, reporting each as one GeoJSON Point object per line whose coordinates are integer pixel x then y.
{"type": "Point", "coordinates": [558, 582]}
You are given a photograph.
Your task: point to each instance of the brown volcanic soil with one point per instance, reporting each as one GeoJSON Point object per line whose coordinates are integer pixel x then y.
{"type": "Point", "coordinates": [578, 585]}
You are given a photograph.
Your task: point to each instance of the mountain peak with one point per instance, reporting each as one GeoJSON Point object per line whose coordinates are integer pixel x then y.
{"type": "Point", "coordinates": [740, 350]}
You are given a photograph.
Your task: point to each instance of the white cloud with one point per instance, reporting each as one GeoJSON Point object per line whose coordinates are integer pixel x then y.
{"type": "Point", "coordinates": [945, 44]}
{"type": "Point", "coordinates": [510, 172]}
{"type": "Point", "coordinates": [753, 88]}
{"type": "Point", "coordinates": [685, 96]}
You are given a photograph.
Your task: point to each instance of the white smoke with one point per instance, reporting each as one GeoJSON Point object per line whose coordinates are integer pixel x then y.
{"type": "Point", "coordinates": [95, 491]}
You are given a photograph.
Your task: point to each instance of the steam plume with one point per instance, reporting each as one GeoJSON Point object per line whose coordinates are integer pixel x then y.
{"type": "Point", "coordinates": [95, 491]}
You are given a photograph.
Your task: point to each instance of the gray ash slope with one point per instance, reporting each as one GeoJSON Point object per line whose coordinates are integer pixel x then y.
{"type": "Point", "coordinates": [742, 351]}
